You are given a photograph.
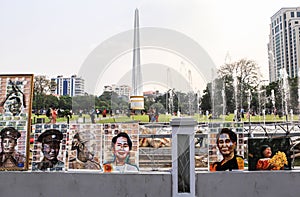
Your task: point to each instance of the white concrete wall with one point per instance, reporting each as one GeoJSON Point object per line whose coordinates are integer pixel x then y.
{"type": "Point", "coordinates": [55, 184]}
{"type": "Point", "coordinates": [248, 184]}
{"type": "Point", "coordinates": [233, 184]}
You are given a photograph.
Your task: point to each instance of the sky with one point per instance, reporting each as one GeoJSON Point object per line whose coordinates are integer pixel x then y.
{"type": "Point", "coordinates": [56, 37]}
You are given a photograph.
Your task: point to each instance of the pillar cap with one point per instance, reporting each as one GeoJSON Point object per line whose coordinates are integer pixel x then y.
{"type": "Point", "coordinates": [183, 122]}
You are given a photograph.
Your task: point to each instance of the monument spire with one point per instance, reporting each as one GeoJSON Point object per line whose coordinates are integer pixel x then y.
{"type": "Point", "coordinates": [137, 88]}
{"type": "Point", "coordinates": [136, 98]}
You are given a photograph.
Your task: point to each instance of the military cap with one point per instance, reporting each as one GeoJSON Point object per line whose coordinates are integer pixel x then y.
{"type": "Point", "coordinates": [83, 137]}
{"type": "Point", "coordinates": [50, 135]}
{"type": "Point", "coordinates": [10, 132]}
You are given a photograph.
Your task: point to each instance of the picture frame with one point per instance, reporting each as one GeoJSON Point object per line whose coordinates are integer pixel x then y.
{"type": "Point", "coordinates": [49, 138]}
{"type": "Point", "coordinates": [215, 156]}
{"type": "Point", "coordinates": [126, 130]}
{"type": "Point", "coordinates": [276, 145]}
{"type": "Point", "coordinates": [85, 147]}
{"type": "Point", "coordinates": [16, 94]}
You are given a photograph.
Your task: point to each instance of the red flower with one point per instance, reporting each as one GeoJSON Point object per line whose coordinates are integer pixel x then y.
{"type": "Point", "coordinates": [107, 167]}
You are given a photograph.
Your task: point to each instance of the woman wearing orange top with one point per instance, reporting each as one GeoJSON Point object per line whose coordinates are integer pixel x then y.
{"type": "Point", "coordinates": [227, 142]}
{"type": "Point", "coordinates": [266, 154]}
{"type": "Point", "coordinates": [53, 115]}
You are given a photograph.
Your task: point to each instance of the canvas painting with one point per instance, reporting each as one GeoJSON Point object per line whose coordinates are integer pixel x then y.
{"type": "Point", "coordinates": [269, 153]}
{"type": "Point", "coordinates": [49, 147]}
{"type": "Point", "coordinates": [15, 120]}
{"type": "Point", "coordinates": [226, 147]}
{"type": "Point", "coordinates": [120, 147]}
{"type": "Point", "coordinates": [85, 147]}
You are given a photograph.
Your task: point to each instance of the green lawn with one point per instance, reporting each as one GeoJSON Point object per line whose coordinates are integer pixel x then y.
{"type": "Point", "coordinates": [167, 118]}
{"type": "Point", "coordinates": [230, 118]}
{"type": "Point", "coordinates": [64, 119]}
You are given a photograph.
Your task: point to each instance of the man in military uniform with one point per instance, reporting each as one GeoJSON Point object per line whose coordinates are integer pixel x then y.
{"type": "Point", "coordinates": [9, 158]}
{"type": "Point", "coordinates": [84, 158]}
{"type": "Point", "coordinates": [50, 140]}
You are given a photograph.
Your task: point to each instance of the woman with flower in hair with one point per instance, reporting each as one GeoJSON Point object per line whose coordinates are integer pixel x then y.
{"type": "Point", "coordinates": [267, 162]}
{"type": "Point", "coordinates": [266, 154]}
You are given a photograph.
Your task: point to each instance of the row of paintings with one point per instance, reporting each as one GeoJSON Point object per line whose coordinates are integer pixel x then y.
{"type": "Point", "coordinates": [228, 151]}
{"type": "Point", "coordinates": [76, 147]}
{"type": "Point", "coordinates": [61, 147]}
{"type": "Point", "coordinates": [58, 147]}
{"type": "Point", "coordinates": [114, 147]}
{"type": "Point", "coordinates": [110, 147]}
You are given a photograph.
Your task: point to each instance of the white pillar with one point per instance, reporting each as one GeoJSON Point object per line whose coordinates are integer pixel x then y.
{"type": "Point", "coordinates": [183, 157]}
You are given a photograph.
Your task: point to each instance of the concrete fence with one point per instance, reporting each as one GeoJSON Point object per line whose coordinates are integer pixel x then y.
{"type": "Point", "coordinates": [156, 184]}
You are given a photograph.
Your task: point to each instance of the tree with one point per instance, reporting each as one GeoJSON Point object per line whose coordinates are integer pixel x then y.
{"type": "Point", "coordinates": [84, 103]}
{"type": "Point", "coordinates": [51, 101]}
{"type": "Point", "coordinates": [65, 102]}
{"type": "Point", "coordinates": [245, 76]}
{"type": "Point", "coordinates": [293, 83]}
{"type": "Point", "coordinates": [206, 99]}
{"type": "Point", "coordinates": [42, 87]}
{"type": "Point", "coordinates": [274, 86]}
{"type": "Point", "coordinates": [229, 94]}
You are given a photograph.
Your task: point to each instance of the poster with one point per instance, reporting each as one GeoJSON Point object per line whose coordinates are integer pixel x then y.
{"type": "Point", "coordinates": [15, 114]}
{"type": "Point", "coordinates": [120, 154]}
{"type": "Point", "coordinates": [226, 147]}
{"type": "Point", "coordinates": [85, 147]}
{"type": "Point", "coordinates": [49, 147]}
{"type": "Point", "coordinates": [269, 153]}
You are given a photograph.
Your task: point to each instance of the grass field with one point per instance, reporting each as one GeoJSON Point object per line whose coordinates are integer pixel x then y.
{"type": "Point", "coordinates": [167, 118]}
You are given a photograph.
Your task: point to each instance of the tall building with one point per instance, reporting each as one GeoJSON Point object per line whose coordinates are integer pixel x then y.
{"type": "Point", "coordinates": [121, 90]}
{"type": "Point", "coordinates": [284, 43]}
{"type": "Point", "coordinates": [73, 86]}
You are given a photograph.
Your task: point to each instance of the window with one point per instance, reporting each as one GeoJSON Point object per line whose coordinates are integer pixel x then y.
{"type": "Point", "coordinates": [276, 29]}
{"type": "Point", "coordinates": [292, 14]}
{"type": "Point", "coordinates": [298, 14]}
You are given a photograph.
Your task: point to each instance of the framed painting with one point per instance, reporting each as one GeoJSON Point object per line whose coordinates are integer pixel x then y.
{"type": "Point", "coordinates": [226, 147]}
{"type": "Point", "coordinates": [121, 146]}
{"type": "Point", "coordinates": [15, 120]}
{"type": "Point", "coordinates": [269, 153]}
{"type": "Point", "coordinates": [50, 147]}
{"type": "Point", "coordinates": [85, 147]}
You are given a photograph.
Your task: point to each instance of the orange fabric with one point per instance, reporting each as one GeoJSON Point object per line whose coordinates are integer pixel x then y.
{"type": "Point", "coordinates": [53, 116]}
{"type": "Point", "coordinates": [240, 163]}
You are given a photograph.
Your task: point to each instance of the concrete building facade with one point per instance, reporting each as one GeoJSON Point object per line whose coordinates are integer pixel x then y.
{"type": "Point", "coordinates": [284, 43]}
{"type": "Point", "coordinates": [121, 90]}
{"type": "Point", "coordinates": [73, 86]}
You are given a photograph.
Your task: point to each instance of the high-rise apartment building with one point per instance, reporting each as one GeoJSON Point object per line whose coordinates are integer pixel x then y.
{"type": "Point", "coordinates": [121, 90]}
{"type": "Point", "coordinates": [284, 43]}
{"type": "Point", "coordinates": [73, 86]}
